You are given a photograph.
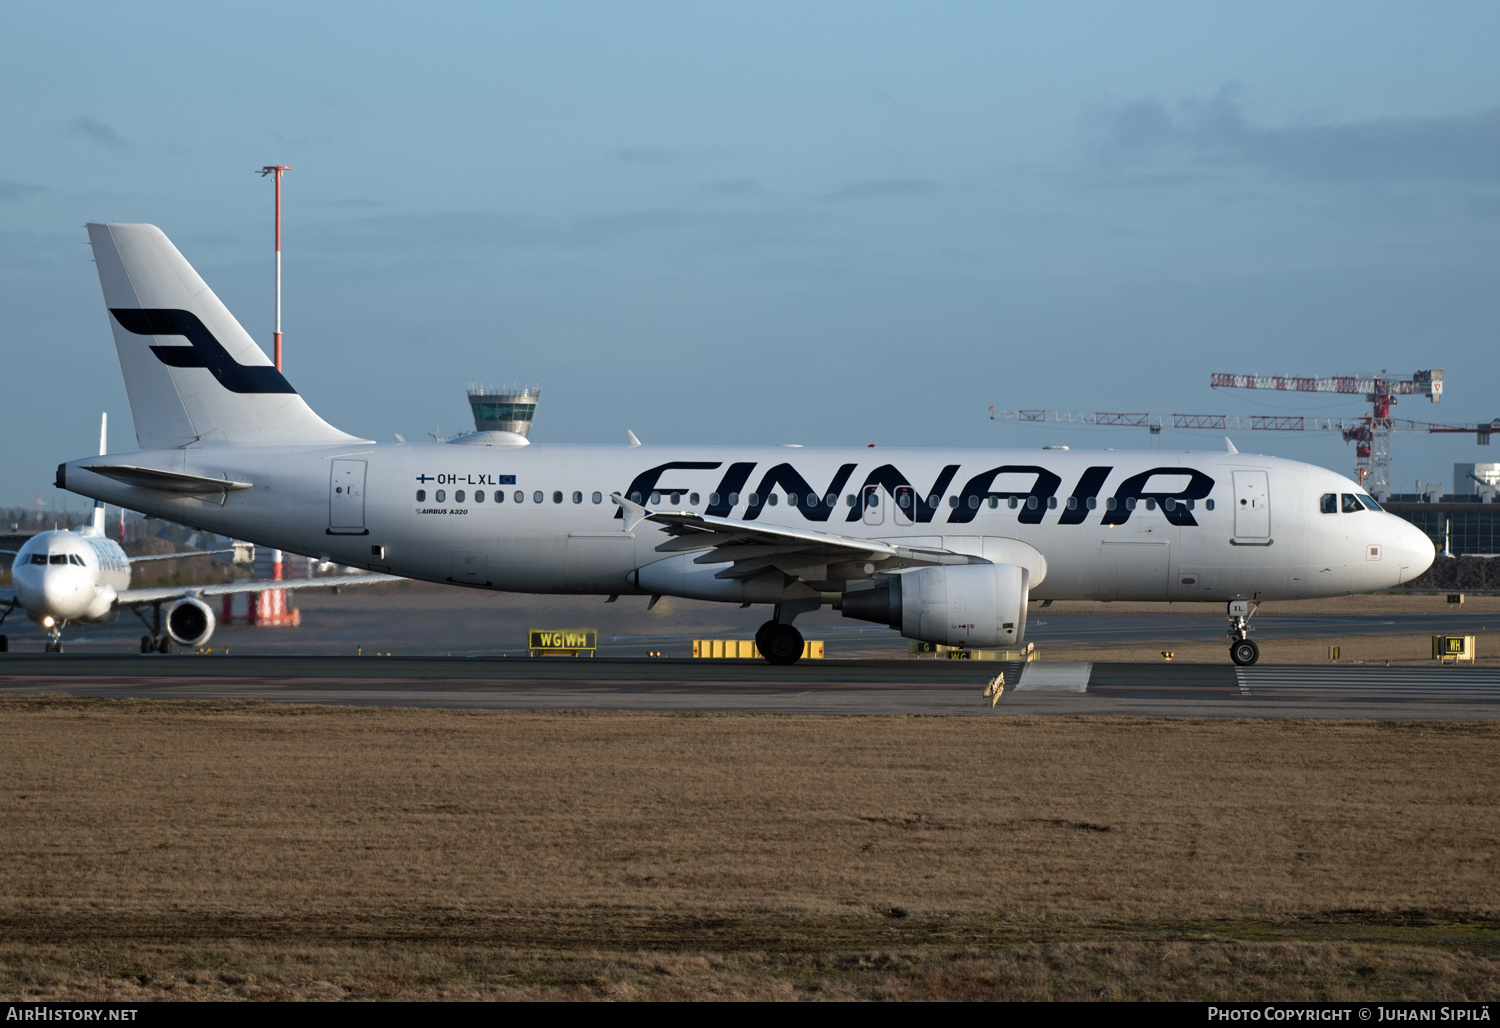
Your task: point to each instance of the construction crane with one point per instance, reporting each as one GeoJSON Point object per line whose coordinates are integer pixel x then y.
{"type": "Point", "coordinates": [1372, 436]}
{"type": "Point", "coordinates": [1350, 428]}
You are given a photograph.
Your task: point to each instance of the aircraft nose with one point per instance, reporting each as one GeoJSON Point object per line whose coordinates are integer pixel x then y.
{"type": "Point", "coordinates": [1417, 551]}
{"type": "Point", "coordinates": [64, 592]}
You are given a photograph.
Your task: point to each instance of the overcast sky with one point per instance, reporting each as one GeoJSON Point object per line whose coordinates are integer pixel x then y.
{"type": "Point", "coordinates": [813, 223]}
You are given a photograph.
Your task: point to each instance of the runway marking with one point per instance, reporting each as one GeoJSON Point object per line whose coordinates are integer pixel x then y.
{"type": "Point", "coordinates": [1064, 676]}
{"type": "Point", "coordinates": [1385, 683]}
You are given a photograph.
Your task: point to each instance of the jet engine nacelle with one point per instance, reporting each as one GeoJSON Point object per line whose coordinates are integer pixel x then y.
{"type": "Point", "coordinates": [190, 622]}
{"type": "Point", "coordinates": [975, 605]}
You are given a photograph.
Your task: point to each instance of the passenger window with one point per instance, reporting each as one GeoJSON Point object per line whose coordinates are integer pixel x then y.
{"type": "Point", "coordinates": [1093, 502]}
{"type": "Point", "coordinates": [932, 501]}
{"type": "Point", "coordinates": [904, 499]}
{"type": "Point", "coordinates": [850, 500]}
{"type": "Point", "coordinates": [1109, 504]}
{"type": "Point", "coordinates": [421, 495]}
{"type": "Point", "coordinates": [1150, 504]}
{"type": "Point", "coordinates": [499, 495]}
{"type": "Point", "coordinates": [458, 497]}
{"type": "Point", "coordinates": [1351, 503]}
{"type": "Point", "coordinates": [677, 499]}
{"type": "Point", "coordinates": [537, 497]}
{"type": "Point", "coordinates": [953, 501]}
{"type": "Point", "coordinates": [1013, 503]}
{"type": "Point", "coordinates": [831, 500]}
{"type": "Point", "coordinates": [973, 503]}
{"type": "Point", "coordinates": [577, 497]}
{"type": "Point", "coordinates": [520, 497]}
{"type": "Point", "coordinates": [598, 497]}
{"type": "Point", "coordinates": [994, 502]}
{"type": "Point", "coordinates": [772, 499]}
{"type": "Point", "coordinates": [693, 500]}
{"type": "Point", "coordinates": [635, 497]}
{"type": "Point", "coordinates": [1169, 504]}
{"type": "Point", "coordinates": [1130, 503]}
{"type": "Point", "coordinates": [655, 499]}
{"type": "Point", "coordinates": [440, 496]}
{"type": "Point", "coordinates": [734, 499]}
{"type": "Point", "coordinates": [556, 496]}
{"type": "Point", "coordinates": [1072, 503]}
{"type": "Point", "coordinates": [1031, 503]}
{"type": "Point", "coordinates": [1327, 504]}
{"type": "Point", "coordinates": [1208, 504]}
{"type": "Point", "coordinates": [1189, 504]}
{"type": "Point", "coordinates": [1052, 503]}
{"type": "Point", "coordinates": [478, 495]}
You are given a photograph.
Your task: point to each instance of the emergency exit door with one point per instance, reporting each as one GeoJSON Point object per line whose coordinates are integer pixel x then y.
{"type": "Point", "coordinates": [346, 498]}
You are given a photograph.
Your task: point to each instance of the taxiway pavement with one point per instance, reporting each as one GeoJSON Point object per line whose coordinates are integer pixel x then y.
{"type": "Point", "coordinates": [901, 686]}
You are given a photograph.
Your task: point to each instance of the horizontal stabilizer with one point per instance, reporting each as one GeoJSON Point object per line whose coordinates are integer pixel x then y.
{"type": "Point", "coordinates": [165, 481]}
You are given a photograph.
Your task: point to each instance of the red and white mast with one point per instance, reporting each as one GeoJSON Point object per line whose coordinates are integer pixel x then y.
{"type": "Point", "coordinates": [276, 170]}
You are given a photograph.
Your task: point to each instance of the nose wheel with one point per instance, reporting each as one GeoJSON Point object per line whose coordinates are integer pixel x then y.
{"type": "Point", "coordinates": [1242, 650]}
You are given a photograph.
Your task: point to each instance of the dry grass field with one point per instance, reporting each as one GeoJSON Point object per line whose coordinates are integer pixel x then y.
{"type": "Point", "coordinates": [224, 850]}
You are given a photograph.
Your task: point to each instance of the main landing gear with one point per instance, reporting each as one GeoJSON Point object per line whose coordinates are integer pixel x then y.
{"type": "Point", "coordinates": [777, 640]}
{"type": "Point", "coordinates": [1242, 650]}
{"type": "Point", "coordinates": [158, 641]}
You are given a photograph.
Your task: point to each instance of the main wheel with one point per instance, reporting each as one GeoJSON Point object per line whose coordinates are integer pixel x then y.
{"type": "Point", "coordinates": [165, 646]}
{"type": "Point", "coordinates": [763, 637]}
{"type": "Point", "coordinates": [1244, 652]}
{"type": "Point", "coordinates": [147, 646]}
{"type": "Point", "coordinates": [783, 645]}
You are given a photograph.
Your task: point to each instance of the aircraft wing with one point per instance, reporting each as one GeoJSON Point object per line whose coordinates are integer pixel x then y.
{"type": "Point", "coordinates": [755, 548]}
{"type": "Point", "coordinates": [177, 556]}
{"type": "Point", "coordinates": [160, 594]}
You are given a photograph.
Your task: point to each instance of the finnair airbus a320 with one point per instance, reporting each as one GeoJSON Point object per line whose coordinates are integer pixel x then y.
{"type": "Point", "coordinates": [946, 546]}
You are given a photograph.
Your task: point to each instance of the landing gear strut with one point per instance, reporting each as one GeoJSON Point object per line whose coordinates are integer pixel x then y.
{"type": "Point", "coordinates": [157, 641]}
{"type": "Point", "coordinates": [1242, 650]}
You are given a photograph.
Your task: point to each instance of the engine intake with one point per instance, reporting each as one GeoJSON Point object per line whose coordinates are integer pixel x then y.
{"type": "Point", "coordinates": [190, 622]}
{"type": "Point", "coordinates": [963, 605]}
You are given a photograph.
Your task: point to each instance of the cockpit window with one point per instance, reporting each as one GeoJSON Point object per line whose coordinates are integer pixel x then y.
{"type": "Point", "coordinates": [57, 558]}
{"type": "Point", "coordinates": [1352, 504]}
{"type": "Point", "coordinates": [1328, 503]}
{"type": "Point", "coordinates": [1369, 502]}
{"type": "Point", "coordinates": [38, 558]}
{"type": "Point", "coordinates": [74, 558]}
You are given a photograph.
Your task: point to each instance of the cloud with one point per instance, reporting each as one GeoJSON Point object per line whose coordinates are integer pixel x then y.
{"type": "Point", "coordinates": [10, 190]}
{"type": "Point", "coordinates": [95, 130]}
{"type": "Point", "coordinates": [649, 155]}
{"type": "Point", "coordinates": [734, 187]}
{"type": "Point", "coordinates": [1216, 133]}
{"type": "Point", "coordinates": [885, 188]}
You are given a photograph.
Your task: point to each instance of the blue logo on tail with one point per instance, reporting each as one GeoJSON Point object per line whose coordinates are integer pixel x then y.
{"type": "Point", "coordinates": [205, 351]}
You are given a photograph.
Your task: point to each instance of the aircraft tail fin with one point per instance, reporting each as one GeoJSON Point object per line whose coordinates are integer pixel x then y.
{"type": "Point", "coordinates": [192, 373]}
{"type": "Point", "coordinates": [96, 527]}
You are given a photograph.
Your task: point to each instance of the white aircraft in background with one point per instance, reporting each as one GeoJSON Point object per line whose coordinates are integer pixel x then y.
{"type": "Point", "coordinates": [947, 546]}
{"type": "Point", "coordinates": [83, 577]}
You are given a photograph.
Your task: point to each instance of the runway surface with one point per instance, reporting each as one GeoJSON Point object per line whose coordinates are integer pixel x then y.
{"type": "Point", "coordinates": [810, 687]}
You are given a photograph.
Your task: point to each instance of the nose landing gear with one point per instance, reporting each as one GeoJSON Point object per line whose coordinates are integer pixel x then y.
{"type": "Point", "coordinates": [1242, 650]}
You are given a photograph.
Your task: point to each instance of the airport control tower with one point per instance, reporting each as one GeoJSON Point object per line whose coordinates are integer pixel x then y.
{"type": "Point", "coordinates": [510, 411]}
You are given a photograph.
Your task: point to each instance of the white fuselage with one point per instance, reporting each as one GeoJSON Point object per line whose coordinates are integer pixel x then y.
{"type": "Point", "coordinates": [67, 576]}
{"type": "Point", "coordinates": [1239, 525]}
